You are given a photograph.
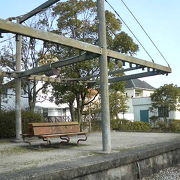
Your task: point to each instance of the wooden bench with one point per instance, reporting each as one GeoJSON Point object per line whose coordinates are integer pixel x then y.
{"type": "Point", "coordinates": [46, 131]}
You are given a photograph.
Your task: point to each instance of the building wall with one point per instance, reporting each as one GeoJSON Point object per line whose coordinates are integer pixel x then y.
{"type": "Point", "coordinates": [147, 93]}
{"type": "Point", "coordinates": [133, 96]}
{"type": "Point", "coordinates": [141, 103]}
{"type": "Point", "coordinates": [9, 100]}
{"type": "Point", "coordinates": [8, 103]}
{"type": "Point", "coordinates": [144, 103]}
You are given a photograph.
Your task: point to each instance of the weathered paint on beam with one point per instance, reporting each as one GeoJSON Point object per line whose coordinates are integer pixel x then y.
{"type": "Point", "coordinates": [8, 74]}
{"type": "Point", "coordinates": [51, 37]}
{"type": "Point", "coordinates": [134, 76]}
{"type": "Point", "coordinates": [37, 10]}
{"type": "Point", "coordinates": [45, 78]}
{"type": "Point", "coordinates": [130, 59]}
{"type": "Point", "coordinates": [58, 64]}
{"type": "Point", "coordinates": [111, 72]}
{"type": "Point", "coordinates": [47, 36]}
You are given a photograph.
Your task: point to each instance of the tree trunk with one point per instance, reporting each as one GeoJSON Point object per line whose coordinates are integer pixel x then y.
{"type": "Point", "coordinates": [79, 110]}
{"type": "Point", "coordinates": [1, 81]}
{"type": "Point", "coordinates": [0, 102]}
{"type": "Point", "coordinates": [71, 108]}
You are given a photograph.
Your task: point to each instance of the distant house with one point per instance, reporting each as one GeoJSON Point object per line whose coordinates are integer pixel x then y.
{"type": "Point", "coordinates": [48, 109]}
{"type": "Point", "coordinates": [135, 89]}
{"type": "Point", "coordinates": [139, 102]}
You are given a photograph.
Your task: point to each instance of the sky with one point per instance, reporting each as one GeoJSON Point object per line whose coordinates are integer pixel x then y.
{"type": "Point", "coordinates": [159, 18]}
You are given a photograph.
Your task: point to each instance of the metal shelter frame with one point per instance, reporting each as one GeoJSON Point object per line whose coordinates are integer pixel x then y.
{"type": "Point", "coordinates": [91, 51]}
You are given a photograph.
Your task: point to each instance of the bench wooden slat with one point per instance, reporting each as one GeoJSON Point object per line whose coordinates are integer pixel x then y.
{"type": "Point", "coordinates": [58, 135]}
{"type": "Point", "coordinates": [56, 129]}
{"type": "Point", "coordinates": [53, 124]}
{"type": "Point", "coordinates": [52, 130]}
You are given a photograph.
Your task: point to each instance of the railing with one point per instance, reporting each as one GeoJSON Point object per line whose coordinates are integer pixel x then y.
{"type": "Point", "coordinates": [58, 118]}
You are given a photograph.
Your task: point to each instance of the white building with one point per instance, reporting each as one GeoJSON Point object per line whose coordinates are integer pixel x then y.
{"type": "Point", "coordinates": [139, 102]}
{"type": "Point", "coordinates": [43, 106]}
{"type": "Point", "coordinates": [135, 89]}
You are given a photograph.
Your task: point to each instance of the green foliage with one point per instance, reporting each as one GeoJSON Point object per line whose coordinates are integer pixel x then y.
{"type": "Point", "coordinates": [125, 125]}
{"type": "Point", "coordinates": [123, 43]}
{"type": "Point", "coordinates": [154, 120]}
{"type": "Point", "coordinates": [30, 117]}
{"type": "Point", "coordinates": [119, 124]}
{"type": "Point", "coordinates": [174, 126]}
{"type": "Point", "coordinates": [8, 122]}
{"type": "Point", "coordinates": [166, 97]}
{"type": "Point", "coordinates": [162, 126]}
{"type": "Point", "coordinates": [78, 19]}
{"type": "Point", "coordinates": [117, 103]}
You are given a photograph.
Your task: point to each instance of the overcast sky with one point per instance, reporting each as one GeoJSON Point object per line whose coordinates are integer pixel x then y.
{"type": "Point", "coordinates": [160, 18]}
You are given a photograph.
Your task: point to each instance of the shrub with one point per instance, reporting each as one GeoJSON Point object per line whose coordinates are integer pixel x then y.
{"type": "Point", "coordinates": [119, 124]}
{"type": "Point", "coordinates": [125, 125]}
{"type": "Point", "coordinates": [8, 122]}
{"type": "Point", "coordinates": [30, 117]}
{"type": "Point", "coordinates": [154, 120]}
{"type": "Point", "coordinates": [140, 126]}
{"type": "Point", "coordinates": [174, 126]}
{"type": "Point", "coordinates": [96, 126]}
{"type": "Point", "coordinates": [162, 126]}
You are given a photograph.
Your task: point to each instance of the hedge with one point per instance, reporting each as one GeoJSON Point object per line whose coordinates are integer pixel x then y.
{"type": "Point", "coordinates": [8, 122]}
{"type": "Point", "coordinates": [125, 125]}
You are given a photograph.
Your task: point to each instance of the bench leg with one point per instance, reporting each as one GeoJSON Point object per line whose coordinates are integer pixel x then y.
{"type": "Point", "coordinates": [47, 140]}
{"type": "Point", "coordinates": [26, 141]}
{"type": "Point", "coordinates": [65, 138]}
{"type": "Point", "coordinates": [82, 139]}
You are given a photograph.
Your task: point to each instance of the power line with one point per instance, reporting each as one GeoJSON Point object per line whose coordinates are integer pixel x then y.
{"type": "Point", "coordinates": [130, 30]}
{"type": "Point", "coordinates": [145, 31]}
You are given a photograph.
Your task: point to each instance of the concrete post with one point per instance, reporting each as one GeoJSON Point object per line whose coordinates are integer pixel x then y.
{"type": "Point", "coordinates": [18, 89]}
{"type": "Point", "coordinates": [105, 115]}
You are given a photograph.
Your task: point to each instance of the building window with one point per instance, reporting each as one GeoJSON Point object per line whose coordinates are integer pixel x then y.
{"type": "Point", "coordinates": [45, 112]}
{"type": "Point", "coordinates": [163, 112]}
{"type": "Point", "coordinates": [138, 93]}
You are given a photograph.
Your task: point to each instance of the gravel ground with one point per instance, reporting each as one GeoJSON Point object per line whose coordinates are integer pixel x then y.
{"type": "Point", "coordinates": [172, 173]}
{"type": "Point", "coordinates": [16, 156]}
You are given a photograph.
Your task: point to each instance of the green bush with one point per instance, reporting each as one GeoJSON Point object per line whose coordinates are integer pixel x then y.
{"type": "Point", "coordinates": [96, 126]}
{"type": "Point", "coordinates": [119, 124]}
{"type": "Point", "coordinates": [125, 125]}
{"type": "Point", "coordinates": [139, 126]}
{"type": "Point", "coordinates": [174, 126]}
{"type": "Point", "coordinates": [8, 122]}
{"type": "Point", "coordinates": [162, 126]}
{"type": "Point", "coordinates": [30, 117]}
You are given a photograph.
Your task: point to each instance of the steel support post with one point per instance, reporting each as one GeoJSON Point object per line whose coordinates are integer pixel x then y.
{"type": "Point", "coordinates": [18, 89]}
{"type": "Point", "coordinates": [105, 115]}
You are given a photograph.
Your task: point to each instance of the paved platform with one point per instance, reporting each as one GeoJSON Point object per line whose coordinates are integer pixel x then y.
{"type": "Point", "coordinates": [16, 157]}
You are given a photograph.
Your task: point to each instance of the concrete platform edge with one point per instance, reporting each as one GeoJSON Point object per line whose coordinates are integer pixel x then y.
{"type": "Point", "coordinates": [130, 164]}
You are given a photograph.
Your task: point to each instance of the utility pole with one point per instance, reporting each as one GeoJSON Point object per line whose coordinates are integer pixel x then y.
{"type": "Point", "coordinates": [105, 115]}
{"type": "Point", "coordinates": [18, 88]}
